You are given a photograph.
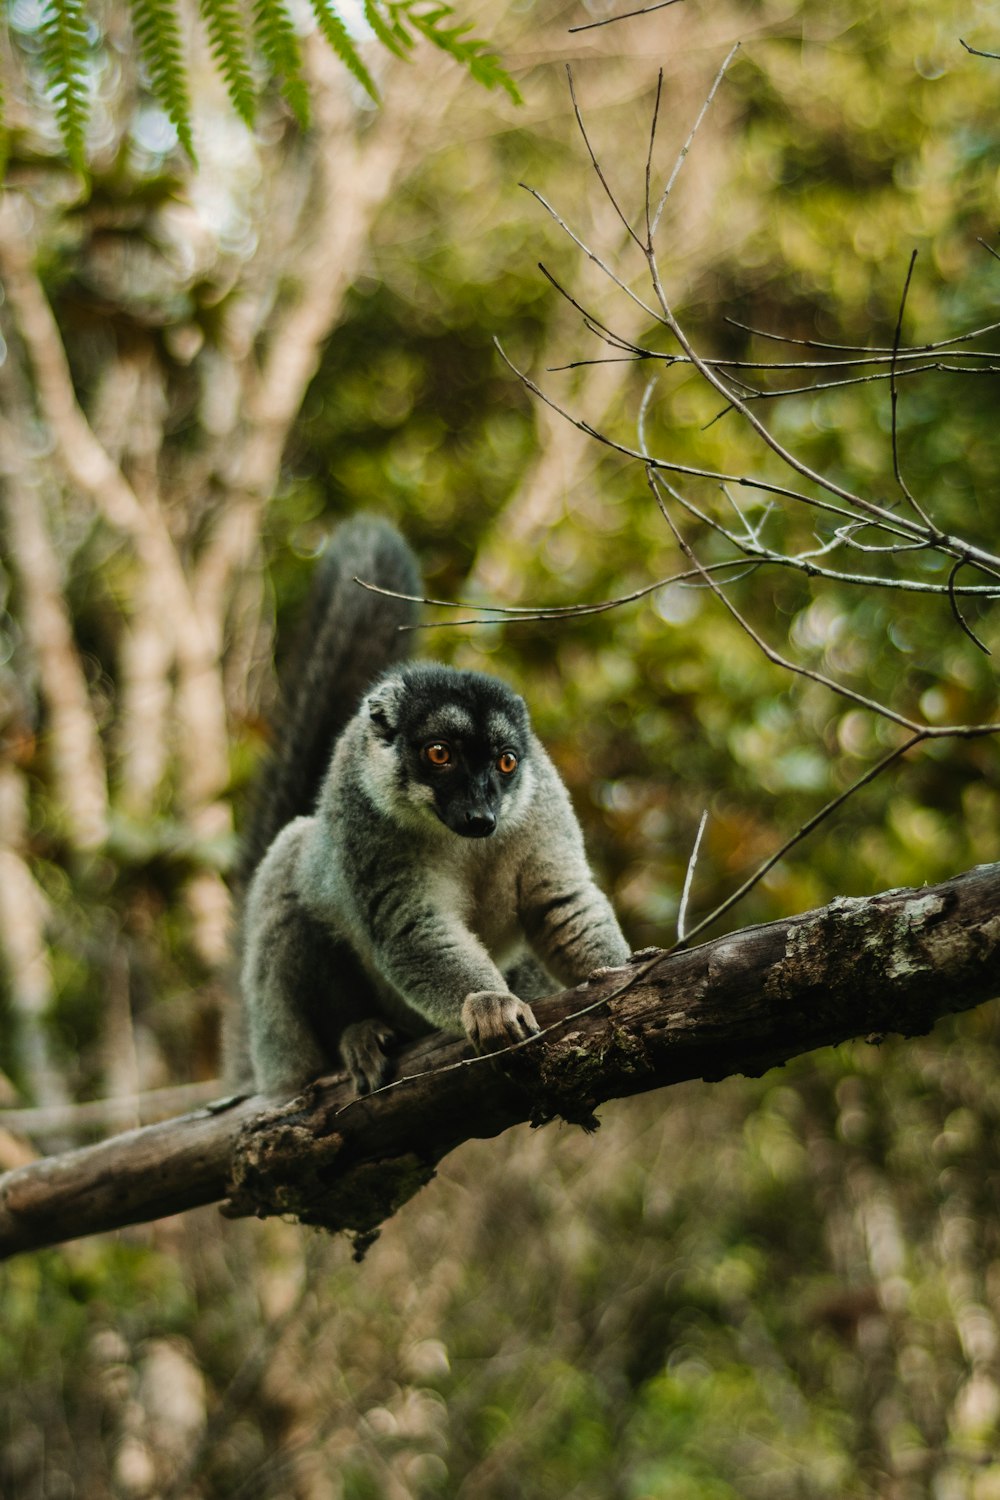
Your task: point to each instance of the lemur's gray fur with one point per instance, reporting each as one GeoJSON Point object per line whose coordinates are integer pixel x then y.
{"type": "Point", "coordinates": [443, 865]}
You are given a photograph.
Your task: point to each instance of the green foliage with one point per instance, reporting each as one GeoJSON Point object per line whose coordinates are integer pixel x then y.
{"type": "Point", "coordinates": [158, 33]}
{"type": "Point", "coordinates": [392, 37]}
{"type": "Point", "coordinates": [275, 36]}
{"type": "Point", "coordinates": [430, 21]}
{"type": "Point", "coordinates": [339, 39]}
{"type": "Point", "coordinates": [270, 38]}
{"type": "Point", "coordinates": [63, 35]}
{"type": "Point", "coordinates": [226, 33]}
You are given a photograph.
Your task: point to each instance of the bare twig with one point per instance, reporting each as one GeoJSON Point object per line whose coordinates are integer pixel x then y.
{"type": "Point", "coordinates": [920, 532]}
{"type": "Point", "coordinates": [626, 15]}
{"type": "Point", "coordinates": [977, 52]}
{"type": "Point", "coordinates": [863, 349]}
{"type": "Point", "coordinates": [959, 617]}
{"type": "Point", "coordinates": [894, 399]}
{"type": "Point", "coordinates": [809, 826]}
{"type": "Point", "coordinates": [596, 164]}
{"type": "Point", "coordinates": [892, 524]}
{"type": "Point", "coordinates": [590, 254]}
{"type": "Point", "coordinates": [918, 733]}
{"type": "Point", "coordinates": [647, 198]}
{"type": "Point", "coordinates": [886, 518]}
{"type": "Point", "coordinates": [922, 731]}
{"type": "Point", "coordinates": [689, 880]}
{"type": "Point", "coordinates": [682, 154]}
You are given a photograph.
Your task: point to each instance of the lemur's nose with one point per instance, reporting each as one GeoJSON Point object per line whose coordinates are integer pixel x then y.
{"type": "Point", "coordinates": [479, 825]}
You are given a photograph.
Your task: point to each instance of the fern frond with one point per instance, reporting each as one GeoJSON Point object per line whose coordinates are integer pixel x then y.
{"type": "Point", "coordinates": [339, 38]}
{"type": "Point", "coordinates": [226, 28]}
{"type": "Point", "coordinates": [159, 37]}
{"type": "Point", "coordinates": [279, 47]}
{"type": "Point", "coordinates": [392, 36]}
{"type": "Point", "coordinates": [63, 34]}
{"type": "Point", "coordinates": [472, 52]}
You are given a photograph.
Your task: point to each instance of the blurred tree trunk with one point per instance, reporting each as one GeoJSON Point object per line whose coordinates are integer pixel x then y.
{"type": "Point", "coordinates": [158, 350]}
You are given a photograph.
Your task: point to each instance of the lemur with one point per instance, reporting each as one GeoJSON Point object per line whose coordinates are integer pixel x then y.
{"type": "Point", "coordinates": [424, 867]}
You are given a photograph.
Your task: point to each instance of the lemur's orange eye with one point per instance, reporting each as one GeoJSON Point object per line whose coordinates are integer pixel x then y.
{"type": "Point", "coordinates": [507, 763]}
{"type": "Point", "coordinates": [438, 754]}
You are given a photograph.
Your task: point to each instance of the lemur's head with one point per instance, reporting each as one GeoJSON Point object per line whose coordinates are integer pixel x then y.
{"type": "Point", "coordinates": [450, 745]}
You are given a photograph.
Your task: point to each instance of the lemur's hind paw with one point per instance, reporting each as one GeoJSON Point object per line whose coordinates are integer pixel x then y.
{"type": "Point", "coordinates": [362, 1050]}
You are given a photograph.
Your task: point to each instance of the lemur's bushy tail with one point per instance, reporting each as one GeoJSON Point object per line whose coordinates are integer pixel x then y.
{"type": "Point", "coordinates": [349, 635]}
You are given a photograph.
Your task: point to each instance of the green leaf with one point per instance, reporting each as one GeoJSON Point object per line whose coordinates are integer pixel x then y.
{"type": "Point", "coordinates": [339, 38]}
{"type": "Point", "coordinates": [64, 54]}
{"type": "Point", "coordinates": [394, 37]}
{"type": "Point", "coordinates": [159, 37]}
{"type": "Point", "coordinates": [225, 26]}
{"type": "Point", "coordinates": [279, 46]}
{"type": "Point", "coordinates": [472, 52]}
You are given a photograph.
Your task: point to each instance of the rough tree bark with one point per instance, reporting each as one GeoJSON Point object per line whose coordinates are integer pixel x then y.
{"type": "Point", "coordinates": [744, 1003]}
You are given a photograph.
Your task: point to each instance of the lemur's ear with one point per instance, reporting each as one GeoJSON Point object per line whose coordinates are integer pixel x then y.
{"type": "Point", "coordinates": [383, 706]}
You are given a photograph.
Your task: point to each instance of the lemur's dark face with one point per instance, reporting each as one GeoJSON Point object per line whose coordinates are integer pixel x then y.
{"type": "Point", "coordinates": [468, 767]}
{"type": "Point", "coordinates": [460, 741]}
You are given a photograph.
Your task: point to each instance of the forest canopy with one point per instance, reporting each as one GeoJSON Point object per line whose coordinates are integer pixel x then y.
{"type": "Point", "coordinates": [783, 1286]}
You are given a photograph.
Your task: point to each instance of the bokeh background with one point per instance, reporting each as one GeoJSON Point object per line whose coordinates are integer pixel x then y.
{"type": "Point", "coordinates": [750, 1290]}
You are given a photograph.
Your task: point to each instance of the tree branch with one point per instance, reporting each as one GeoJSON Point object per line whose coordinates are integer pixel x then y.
{"type": "Point", "coordinates": [744, 1003]}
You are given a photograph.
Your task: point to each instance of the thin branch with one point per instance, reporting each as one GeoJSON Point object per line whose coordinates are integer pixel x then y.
{"type": "Point", "coordinates": [898, 525]}
{"type": "Point", "coordinates": [682, 933]}
{"type": "Point", "coordinates": [886, 350]}
{"type": "Point", "coordinates": [757, 554]}
{"type": "Point", "coordinates": [918, 733]}
{"type": "Point", "coordinates": [521, 614]}
{"type": "Point", "coordinates": [595, 325]}
{"type": "Point", "coordinates": [596, 164]}
{"type": "Point", "coordinates": [894, 399]}
{"type": "Point", "coordinates": [826, 811]}
{"type": "Point", "coordinates": [590, 254]}
{"type": "Point", "coordinates": [682, 154]}
{"type": "Point", "coordinates": [976, 52]}
{"type": "Point", "coordinates": [922, 731]}
{"type": "Point", "coordinates": [861, 355]}
{"type": "Point", "coordinates": [960, 618]}
{"type": "Point", "coordinates": [751, 546]}
{"type": "Point", "coordinates": [890, 523]}
{"type": "Point", "coordinates": [625, 16]}
{"type": "Point", "coordinates": [647, 199]}
{"type": "Point", "coordinates": [752, 394]}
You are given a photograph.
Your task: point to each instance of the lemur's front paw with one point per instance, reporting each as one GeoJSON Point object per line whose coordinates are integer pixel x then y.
{"type": "Point", "coordinates": [495, 1018]}
{"type": "Point", "coordinates": [362, 1051]}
